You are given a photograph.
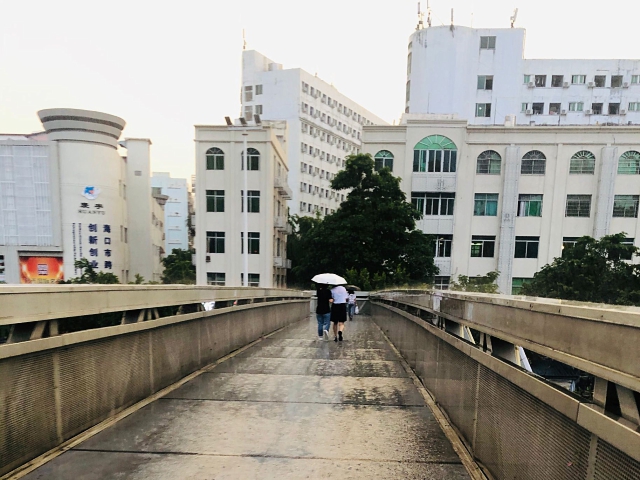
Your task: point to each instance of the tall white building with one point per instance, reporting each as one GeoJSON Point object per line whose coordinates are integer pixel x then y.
{"type": "Point", "coordinates": [176, 209]}
{"type": "Point", "coordinates": [324, 127]}
{"type": "Point", "coordinates": [482, 75]}
{"type": "Point", "coordinates": [65, 194]}
{"type": "Point", "coordinates": [511, 198]}
{"type": "Point", "coordinates": [219, 238]}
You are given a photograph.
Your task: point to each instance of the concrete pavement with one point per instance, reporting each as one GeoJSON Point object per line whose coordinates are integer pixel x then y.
{"type": "Point", "coordinates": [289, 407]}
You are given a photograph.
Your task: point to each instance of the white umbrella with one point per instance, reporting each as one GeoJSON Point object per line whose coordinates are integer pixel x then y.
{"type": "Point", "coordinates": [329, 279]}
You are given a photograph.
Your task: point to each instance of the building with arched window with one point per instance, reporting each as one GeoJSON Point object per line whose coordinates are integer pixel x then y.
{"type": "Point", "coordinates": [220, 200]}
{"type": "Point", "coordinates": [511, 198]}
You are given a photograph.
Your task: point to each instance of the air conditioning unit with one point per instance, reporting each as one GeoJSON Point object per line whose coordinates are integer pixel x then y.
{"type": "Point", "coordinates": [623, 111]}
{"type": "Point", "coordinates": [565, 85]}
{"type": "Point", "coordinates": [315, 134]}
{"type": "Point", "coordinates": [531, 85]}
{"type": "Point", "coordinates": [315, 153]}
{"type": "Point", "coordinates": [591, 84]}
{"type": "Point", "coordinates": [529, 112]}
{"type": "Point", "coordinates": [303, 168]}
{"type": "Point", "coordinates": [625, 85]}
{"type": "Point", "coordinates": [303, 188]}
{"type": "Point", "coordinates": [588, 112]}
{"type": "Point", "coordinates": [563, 112]}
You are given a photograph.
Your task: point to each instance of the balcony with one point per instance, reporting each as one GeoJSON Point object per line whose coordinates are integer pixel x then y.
{"type": "Point", "coordinates": [280, 223]}
{"type": "Point", "coordinates": [282, 186]}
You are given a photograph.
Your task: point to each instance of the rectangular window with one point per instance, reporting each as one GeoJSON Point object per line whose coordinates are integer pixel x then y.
{"type": "Point", "coordinates": [517, 284]}
{"type": "Point", "coordinates": [529, 205]}
{"type": "Point", "coordinates": [628, 165]}
{"type": "Point", "coordinates": [538, 108]}
{"type": "Point", "coordinates": [483, 246]}
{"type": "Point", "coordinates": [533, 166]}
{"type": "Point", "coordinates": [524, 107]}
{"type": "Point", "coordinates": [635, 79]}
{"type": "Point", "coordinates": [215, 200]}
{"type": "Point", "coordinates": [625, 206]}
{"type": "Point", "coordinates": [576, 106]}
{"type": "Point", "coordinates": [436, 161]}
{"type": "Point", "coordinates": [258, 89]}
{"type": "Point", "coordinates": [254, 201]}
{"type": "Point", "coordinates": [215, 161]}
{"type": "Point", "coordinates": [485, 82]}
{"type": "Point", "coordinates": [527, 79]}
{"type": "Point", "coordinates": [254, 279]}
{"type": "Point", "coordinates": [433, 203]}
{"type": "Point", "coordinates": [616, 81]}
{"type": "Point", "coordinates": [614, 109]}
{"type": "Point", "coordinates": [483, 109]}
{"type": "Point", "coordinates": [579, 166]}
{"type": "Point", "coordinates": [567, 243]}
{"type": "Point", "coordinates": [634, 106]}
{"type": "Point", "coordinates": [488, 165]}
{"type": "Point", "coordinates": [258, 109]}
{"type": "Point", "coordinates": [599, 80]}
{"type": "Point", "coordinates": [557, 80]}
{"type": "Point", "coordinates": [216, 278]}
{"type": "Point", "coordinates": [215, 242]}
{"type": "Point", "coordinates": [541, 80]}
{"type": "Point", "coordinates": [248, 112]}
{"type": "Point", "coordinates": [2, 268]}
{"type": "Point", "coordinates": [578, 79]}
{"type": "Point", "coordinates": [248, 93]}
{"type": "Point", "coordinates": [254, 243]}
{"type": "Point", "coordinates": [554, 108]}
{"type": "Point", "coordinates": [627, 241]}
{"type": "Point", "coordinates": [441, 282]}
{"type": "Point", "coordinates": [578, 206]}
{"type": "Point", "coordinates": [443, 246]}
{"type": "Point", "coordinates": [485, 205]}
{"type": "Point", "coordinates": [527, 247]}
{"type": "Point", "coordinates": [488, 43]}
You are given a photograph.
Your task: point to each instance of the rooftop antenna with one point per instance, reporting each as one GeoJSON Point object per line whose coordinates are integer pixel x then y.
{"type": "Point", "coordinates": [428, 14]}
{"type": "Point", "coordinates": [513, 17]}
{"type": "Point", "coordinates": [244, 41]}
{"type": "Point", "coordinates": [420, 25]}
{"type": "Point", "coordinates": [451, 27]}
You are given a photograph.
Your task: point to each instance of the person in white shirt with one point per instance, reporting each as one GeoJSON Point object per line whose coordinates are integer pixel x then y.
{"type": "Point", "coordinates": [351, 303]}
{"type": "Point", "coordinates": [338, 301]}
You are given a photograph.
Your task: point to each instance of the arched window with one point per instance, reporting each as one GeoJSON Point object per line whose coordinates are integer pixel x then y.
{"type": "Point", "coordinates": [583, 162]}
{"type": "Point", "coordinates": [254, 159]}
{"type": "Point", "coordinates": [533, 163]}
{"type": "Point", "coordinates": [489, 163]}
{"type": "Point", "coordinates": [384, 158]}
{"type": "Point", "coordinates": [629, 163]}
{"type": "Point", "coordinates": [215, 159]}
{"type": "Point", "coordinates": [436, 154]}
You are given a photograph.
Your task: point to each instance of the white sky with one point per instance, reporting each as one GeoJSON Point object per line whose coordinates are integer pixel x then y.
{"type": "Point", "coordinates": [166, 66]}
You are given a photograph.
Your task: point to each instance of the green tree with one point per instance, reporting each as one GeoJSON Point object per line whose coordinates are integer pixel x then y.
{"type": "Point", "coordinates": [484, 283]}
{"type": "Point", "coordinates": [89, 274]}
{"type": "Point", "coordinates": [302, 228]}
{"type": "Point", "coordinates": [179, 268]}
{"type": "Point", "coordinates": [373, 233]}
{"type": "Point", "coordinates": [591, 271]}
{"type": "Point", "coordinates": [138, 280]}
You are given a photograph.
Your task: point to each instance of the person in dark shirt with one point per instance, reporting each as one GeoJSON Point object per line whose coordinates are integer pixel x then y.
{"type": "Point", "coordinates": [323, 312]}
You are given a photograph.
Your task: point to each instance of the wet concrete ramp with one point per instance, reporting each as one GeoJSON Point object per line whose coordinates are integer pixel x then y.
{"type": "Point", "coordinates": [288, 407]}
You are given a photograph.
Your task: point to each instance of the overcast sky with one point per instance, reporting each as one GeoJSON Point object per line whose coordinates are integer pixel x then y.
{"type": "Point", "coordinates": [166, 66]}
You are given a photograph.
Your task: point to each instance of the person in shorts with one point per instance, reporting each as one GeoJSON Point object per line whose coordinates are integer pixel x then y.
{"type": "Point", "coordinates": [338, 311]}
{"type": "Point", "coordinates": [323, 311]}
{"type": "Point", "coordinates": [351, 303]}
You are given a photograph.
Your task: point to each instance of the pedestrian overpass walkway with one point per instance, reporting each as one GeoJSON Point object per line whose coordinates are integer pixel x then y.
{"type": "Point", "coordinates": [137, 382]}
{"type": "Point", "coordinates": [287, 407]}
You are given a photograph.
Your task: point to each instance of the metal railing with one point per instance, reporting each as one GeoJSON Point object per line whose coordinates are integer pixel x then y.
{"type": "Point", "coordinates": [469, 350]}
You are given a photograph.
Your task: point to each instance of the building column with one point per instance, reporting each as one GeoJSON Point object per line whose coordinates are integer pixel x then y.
{"type": "Point", "coordinates": [506, 249]}
{"type": "Point", "coordinates": [606, 184]}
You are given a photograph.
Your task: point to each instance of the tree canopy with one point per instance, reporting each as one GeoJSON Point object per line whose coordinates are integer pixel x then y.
{"type": "Point", "coordinates": [178, 267]}
{"type": "Point", "coordinates": [89, 274]}
{"type": "Point", "coordinates": [484, 283]}
{"type": "Point", "coordinates": [372, 236]}
{"type": "Point", "coordinates": [591, 271]}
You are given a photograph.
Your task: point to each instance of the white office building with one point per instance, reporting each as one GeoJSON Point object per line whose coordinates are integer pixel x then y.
{"type": "Point", "coordinates": [511, 198]}
{"type": "Point", "coordinates": [324, 127]}
{"type": "Point", "coordinates": [67, 194]}
{"type": "Point", "coordinates": [220, 194]}
{"type": "Point", "coordinates": [482, 75]}
{"type": "Point", "coordinates": [176, 211]}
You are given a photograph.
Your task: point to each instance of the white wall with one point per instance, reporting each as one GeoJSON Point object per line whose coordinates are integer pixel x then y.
{"type": "Point", "coordinates": [176, 210]}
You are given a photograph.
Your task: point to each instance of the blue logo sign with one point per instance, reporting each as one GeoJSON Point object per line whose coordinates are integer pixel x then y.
{"type": "Point", "coordinates": [91, 192]}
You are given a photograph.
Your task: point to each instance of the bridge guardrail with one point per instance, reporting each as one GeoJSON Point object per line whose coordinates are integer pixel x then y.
{"type": "Point", "coordinates": [464, 348]}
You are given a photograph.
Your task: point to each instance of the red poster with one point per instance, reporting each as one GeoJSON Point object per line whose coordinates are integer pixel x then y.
{"type": "Point", "coordinates": [41, 269]}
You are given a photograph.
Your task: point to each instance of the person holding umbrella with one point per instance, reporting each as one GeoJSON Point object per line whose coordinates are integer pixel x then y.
{"type": "Point", "coordinates": [338, 301]}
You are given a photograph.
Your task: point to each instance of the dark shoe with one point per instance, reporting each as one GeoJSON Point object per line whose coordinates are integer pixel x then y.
{"type": "Point", "coordinates": [335, 339]}
{"type": "Point", "coordinates": [340, 336]}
